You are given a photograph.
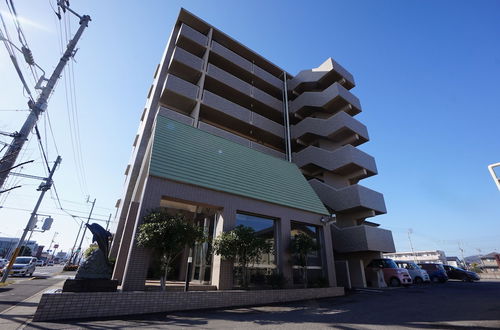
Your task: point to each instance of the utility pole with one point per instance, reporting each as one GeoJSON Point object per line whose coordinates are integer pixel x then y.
{"type": "Point", "coordinates": [44, 186]}
{"type": "Point", "coordinates": [462, 252]}
{"type": "Point", "coordinates": [410, 231]}
{"type": "Point", "coordinates": [53, 238]}
{"type": "Point", "coordinates": [40, 105]}
{"type": "Point", "coordinates": [70, 260]}
{"type": "Point", "coordinates": [107, 222]}
{"type": "Point", "coordinates": [85, 229]}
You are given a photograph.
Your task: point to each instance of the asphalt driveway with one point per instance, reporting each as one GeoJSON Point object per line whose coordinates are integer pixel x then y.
{"type": "Point", "coordinates": [453, 305]}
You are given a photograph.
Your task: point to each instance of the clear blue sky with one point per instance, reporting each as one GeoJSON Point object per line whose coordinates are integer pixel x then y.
{"type": "Point", "coordinates": [426, 72]}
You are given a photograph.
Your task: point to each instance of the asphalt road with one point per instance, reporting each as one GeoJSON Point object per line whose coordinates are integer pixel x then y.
{"type": "Point", "coordinates": [453, 305]}
{"type": "Point", "coordinates": [25, 287]}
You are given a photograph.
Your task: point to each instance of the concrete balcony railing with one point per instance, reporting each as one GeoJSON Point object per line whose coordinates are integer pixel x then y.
{"type": "Point", "coordinates": [185, 65]}
{"type": "Point", "coordinates": [350, 199]}
{"type": "Point", "coordinates": [192, 40]}
{"type": "Point", "coordinates": [338, 127]}
{"type": "Point", "coordinates": [345, 161]}
{"type": "Point", "coordinates": [324, 75]}
{"type": "Point", "coordinates": [243, 93]}
{"type": "Point", "coordinates": [333, 99]}
{"type": "Point", "coordinates": [362, 238]}
{"type": "Point", "coordinates": [178, 94]}
{"type": "Point", "coordinates": [229, 112]}
{"type": "Point", "coordinates": [246, 65]}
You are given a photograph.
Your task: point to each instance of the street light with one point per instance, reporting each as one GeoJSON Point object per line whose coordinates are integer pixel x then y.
{"type": "Point", "coordinates": [494, 175]}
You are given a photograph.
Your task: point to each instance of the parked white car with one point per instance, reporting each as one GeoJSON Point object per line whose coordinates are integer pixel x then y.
{"type": "Point", "coordinates": [22, 266]}
{"type": "Point", "coordinates": [418, 275]}
{"type": "Point", "coordinates": [3, 263]}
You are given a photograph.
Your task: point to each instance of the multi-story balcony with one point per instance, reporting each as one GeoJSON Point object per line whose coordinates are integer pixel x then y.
{"type": "Point", "coordinates": [192, 40]}
{"type": "Point", "coordinates": [178, 94]}
{"type": "Point", "coordinates": [185, 65]}
{"type": "Point", "coordinates": [240, 92]}
{"type": "Point", "coordinates": [333, 99]}
{"type": "Point", "coordinates": [243, 68]}
{"type": "Point", "coordinates": [337, 128]}
{"type": "Point", "coordinates": [321, 77]}
{"type": "Point", "coordinates": [350, 199]}
{"type": "Point", "coordinates": [346, 161]}
{"type": "Point", "coordinates": [362, 238]}
{"type": "Point", "coordinates": [225, 113]}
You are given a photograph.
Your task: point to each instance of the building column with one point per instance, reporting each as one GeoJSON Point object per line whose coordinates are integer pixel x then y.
{"type": "Point", "coordinates": [284, 258]}
{"type": "Point", "coordinates": [357, 272]}
{"type": "Point", "coordinates": [329, 262]}
{"type": "Point", "coordinates": [123, 246]}
{"type": "Point", "coordinates": [136, 268]}
{"type": "Point", "coordinates": [222, 270]}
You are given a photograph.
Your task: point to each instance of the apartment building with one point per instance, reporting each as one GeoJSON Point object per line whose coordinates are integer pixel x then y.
{"type": "Point", "coordinates": [8, 244]}
{"type": "Point", "coordinates": [490, 263]}
{"type": "Point", "coordinates": [434, 256]}
{"type": "Point", "coordinates": [228, 138]}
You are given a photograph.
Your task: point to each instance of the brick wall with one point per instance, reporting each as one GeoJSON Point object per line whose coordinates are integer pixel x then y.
{"type": "Point", "coordinates": [71, 305]}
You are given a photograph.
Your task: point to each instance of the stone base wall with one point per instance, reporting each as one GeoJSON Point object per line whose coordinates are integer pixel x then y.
{"type": "Point", "coordinates": [72, 305]}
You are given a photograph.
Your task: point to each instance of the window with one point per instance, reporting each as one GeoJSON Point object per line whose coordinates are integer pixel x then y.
{"type": "Point", "coordinates": [264, 227]}
{"type": "Point", "coordinates": [314, 263]}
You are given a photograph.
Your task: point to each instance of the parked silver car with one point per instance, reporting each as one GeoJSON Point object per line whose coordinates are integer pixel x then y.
{"type": "Point", "coordinates": [418, 275]}
{"type": "Point", "coordinates": [23, 266]}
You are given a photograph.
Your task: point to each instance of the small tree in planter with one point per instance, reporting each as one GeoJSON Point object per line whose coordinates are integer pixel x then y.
{"type": "Point", "coordinates": [301, 245]}
{"type": "Point", "coordinates": [243, 246]}
{"type": "Point", "coordinates": [167, 235]}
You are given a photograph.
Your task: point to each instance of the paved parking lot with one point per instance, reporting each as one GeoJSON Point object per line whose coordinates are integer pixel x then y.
{"type": "Point", "coordinates": [453, 305]}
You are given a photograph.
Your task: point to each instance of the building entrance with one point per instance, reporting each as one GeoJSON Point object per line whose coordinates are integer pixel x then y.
{"type": "Point", "coordinates": [201, 253]}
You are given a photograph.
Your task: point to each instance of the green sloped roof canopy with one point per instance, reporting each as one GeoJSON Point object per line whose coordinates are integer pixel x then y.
{"type": "Point", "coordinates": [186, 154]}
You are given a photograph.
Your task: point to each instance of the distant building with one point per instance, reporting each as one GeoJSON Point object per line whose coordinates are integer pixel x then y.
{"type": "Point", "coordinates": [8, 244]}
{"type": "Point", "coordinates": [454, 261]}
{"type": "Point", "coordinates": [436, 256]}
{"type": "Point", "coordinates": [490, 263]}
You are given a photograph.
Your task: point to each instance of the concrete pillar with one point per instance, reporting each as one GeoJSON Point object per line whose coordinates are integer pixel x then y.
{"type": "Point", "coordinates": [136, 268]}
{"type": "Point", "coordinates": [357, 272]}
{"type": "Point", "coordinates": [283, 255]}
{"type": "Point", "coordinates": [329, 260]}
{"type": "Point", "coordinates": [126, 239]}
{"type": "Point", "coordinates": [222, 270]}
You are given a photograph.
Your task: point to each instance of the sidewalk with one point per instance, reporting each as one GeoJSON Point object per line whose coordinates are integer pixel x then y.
{"type": "Point", "coordinates": [21, 314]}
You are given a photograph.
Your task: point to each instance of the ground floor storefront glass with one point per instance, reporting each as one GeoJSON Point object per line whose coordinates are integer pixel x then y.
{"type": "Point", "coordinates": [200, 254]}
{"type": "Point", "coordinates": [264, 228]}
{"type": "Point", "coordinates": [315, 273]}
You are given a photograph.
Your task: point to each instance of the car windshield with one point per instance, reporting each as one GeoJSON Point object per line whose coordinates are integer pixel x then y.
{"type": "Point", "coordinates": [389, 263]}
{"type": "Point", "coordinates": [23, 260]}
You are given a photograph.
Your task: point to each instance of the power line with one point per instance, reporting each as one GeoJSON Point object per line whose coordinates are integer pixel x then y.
{"type": "Point", "coordinates": [55, 213]}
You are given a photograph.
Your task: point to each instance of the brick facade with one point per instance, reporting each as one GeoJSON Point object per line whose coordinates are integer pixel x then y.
{"type": "Point", "coordinates": [70, 305]}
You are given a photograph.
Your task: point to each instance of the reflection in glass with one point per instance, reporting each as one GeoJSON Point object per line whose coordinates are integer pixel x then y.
{"type": "Point", "coordinates": [314, 265]}
{"type": "Point", "coordinates": [264, 228]}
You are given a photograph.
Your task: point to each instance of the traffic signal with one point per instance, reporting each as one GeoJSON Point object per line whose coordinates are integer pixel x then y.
{"type": "Point", "coordinates": [47, 223]}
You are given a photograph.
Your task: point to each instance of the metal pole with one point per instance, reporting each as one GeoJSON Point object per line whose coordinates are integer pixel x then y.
{"type": "Point", "coordinates": [107, 222]}
{"type": "Point", "coordinates": [288, 145]}
{"type": "Point", "coordinates": [85, 230]}
{"type": "Point", "coordinates": [26, 245]}
{"type": "Point", "coordinates": [74, 245]}
{"type": "Point", "coordinates": [40, 106]}
{"type": "Point", "coordinates": [44, 186]}
{"type": "Point", "coordinates": [50, 245]}
{"type": "Point", "coordinates": [411, 245]}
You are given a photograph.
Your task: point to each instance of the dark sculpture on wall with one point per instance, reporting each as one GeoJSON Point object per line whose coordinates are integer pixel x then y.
{"type": "Point", "coordinates": [94, 274]}
{"type": "Point", "coordinates": [97, 264]}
